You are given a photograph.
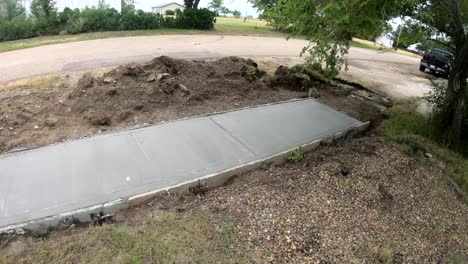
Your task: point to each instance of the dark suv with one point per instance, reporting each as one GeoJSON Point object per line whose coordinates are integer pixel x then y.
{"type": "Point", "coordinates": [437, 61]}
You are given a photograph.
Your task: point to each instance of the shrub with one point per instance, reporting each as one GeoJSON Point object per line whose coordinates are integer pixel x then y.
{"type": "Point", "coordinates": [134, 20]}
{"type": "Point", "coordinates": [46, 20]}
{"type": "Point", "coordinates": [71, 21]}
{"type": "Point", "coordinates": [100, 19]}
{"type": "Point", "coordinates": [170, 13]}
{"type": "Point", "coordinates": [18, 27]}
{"type": "Point", "coordinates": [195, 19]}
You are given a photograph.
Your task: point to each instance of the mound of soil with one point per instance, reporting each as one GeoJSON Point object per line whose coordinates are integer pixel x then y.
{"type": "Point", "coordinates": [160, 90]}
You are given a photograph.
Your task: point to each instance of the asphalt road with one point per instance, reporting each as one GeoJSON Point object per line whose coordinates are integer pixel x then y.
{"type": "Point", "coordinates": [393, 74]}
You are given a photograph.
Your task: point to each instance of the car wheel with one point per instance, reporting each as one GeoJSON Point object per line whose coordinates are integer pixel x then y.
{"type": "Point", "coordinates": [422, 68]}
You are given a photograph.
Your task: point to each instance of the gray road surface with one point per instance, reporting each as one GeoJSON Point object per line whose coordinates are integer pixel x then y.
{"type": "Point", "coordinates": [393, 74]}
{"type": "Point", "coordinates": [61, 178]}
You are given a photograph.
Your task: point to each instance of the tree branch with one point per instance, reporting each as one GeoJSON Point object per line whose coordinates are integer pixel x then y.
{"type": "Point", "coordinates": [441, 43]}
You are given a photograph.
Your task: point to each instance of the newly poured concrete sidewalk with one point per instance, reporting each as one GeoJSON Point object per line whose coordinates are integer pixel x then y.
{"type": "Point", "coordinates": [62, 178]}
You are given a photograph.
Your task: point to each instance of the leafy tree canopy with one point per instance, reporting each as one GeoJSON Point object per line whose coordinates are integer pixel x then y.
{"type": "Point", "coordinates": [10, 9]}
{"type": "Point", "coordinates": [330, 25]}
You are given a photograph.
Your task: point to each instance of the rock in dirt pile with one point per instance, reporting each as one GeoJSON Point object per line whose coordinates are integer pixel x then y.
{"type": "Point", "coordinates": [160, 90]}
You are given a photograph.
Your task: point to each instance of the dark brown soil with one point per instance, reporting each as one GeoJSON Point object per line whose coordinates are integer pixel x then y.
{"type": "Point", "coordinates": [160, 90]}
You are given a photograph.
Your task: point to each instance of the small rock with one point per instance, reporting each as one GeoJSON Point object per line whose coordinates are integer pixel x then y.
{"type": "Point", "coordinates": [184, 89]}
{"type": "Point", "coordinates": [108, 80]}
{"type": "Point", "coordinates": [428, 155]}
{"type": "Point", "coordinates": [86, 81]}
{"type": "Point", "coordinates": [152, 77]}
{"type": "Point", "coordinates": [342, 170]}
{"type": "Point", "coordinates": [362, 93]}
{"type": "Point", "coordinates": [99, 119]}
{"type": "Point", "coordinates": [36, 127]}
{"type": "Point", "coordinates": [161, 76]}
{"type": "Point", "coordinates": [20, 231]}
{"type": "Point", "coordinates": [112, 92]}
{"type": "Point", "coordinates": [138, 107]}
{"type": "Point", "coordinates": [313, 92]}
{"type": "Point", "coordinates": [51, 121]}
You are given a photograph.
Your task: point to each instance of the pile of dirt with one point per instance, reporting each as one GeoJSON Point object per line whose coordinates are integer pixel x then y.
{"type": "Point", "coordinates": [160, 90]}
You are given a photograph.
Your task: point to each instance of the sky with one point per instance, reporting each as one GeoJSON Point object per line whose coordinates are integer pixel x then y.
{"type": "Point", "coordinates": [242, 5]}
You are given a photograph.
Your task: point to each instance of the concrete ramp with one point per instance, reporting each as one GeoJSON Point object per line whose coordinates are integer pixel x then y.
{"type": "Point", "coordinates": [62, 179]}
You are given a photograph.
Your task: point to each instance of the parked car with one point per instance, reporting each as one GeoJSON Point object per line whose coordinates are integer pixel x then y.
{"type": "Point", "coordinates": [437, 61]}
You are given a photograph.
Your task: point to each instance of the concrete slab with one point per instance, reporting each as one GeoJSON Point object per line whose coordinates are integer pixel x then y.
{"type": "Point", "coordinates": [62, 178]}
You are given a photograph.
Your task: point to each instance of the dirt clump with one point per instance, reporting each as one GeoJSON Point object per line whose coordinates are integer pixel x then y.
{"type": "Point", "coordinates": [159, 90]}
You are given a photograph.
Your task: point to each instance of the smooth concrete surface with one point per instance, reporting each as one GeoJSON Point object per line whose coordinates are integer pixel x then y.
{"type": "Point", "coordinates": [66, 177]}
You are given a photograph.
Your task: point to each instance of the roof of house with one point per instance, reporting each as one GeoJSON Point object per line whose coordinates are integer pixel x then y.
{"type": "Point", "coordinates": [164, 5]}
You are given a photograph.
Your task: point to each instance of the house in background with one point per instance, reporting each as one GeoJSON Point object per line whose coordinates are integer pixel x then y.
{"type": "Point", "coordinates": [163, 8]}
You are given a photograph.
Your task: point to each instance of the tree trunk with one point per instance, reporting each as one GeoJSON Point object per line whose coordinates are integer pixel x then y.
{"type": "Point", "coordinates": [191, 3]}
{"type": "Point", "coordinates": [453, 110]}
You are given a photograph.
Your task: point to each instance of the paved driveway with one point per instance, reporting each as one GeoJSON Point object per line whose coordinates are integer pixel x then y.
{"type": "Point", "coordinates": [393, 74]}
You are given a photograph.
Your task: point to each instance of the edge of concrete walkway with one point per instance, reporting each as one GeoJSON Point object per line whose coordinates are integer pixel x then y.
{"type": "Point", "coordinates": [42, 226]}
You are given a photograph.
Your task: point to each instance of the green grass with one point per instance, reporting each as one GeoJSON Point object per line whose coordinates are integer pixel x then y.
{"type": "Point", "coordinates": [224, 26]}
{"type": "Point", "coordinates": [359, 44]}
{"type": "Point", "coordinates": [366, 44]}
{"type": "Point", "coordinates": [170, 238]}
{"type": "Point", "coordinates": [412, 132]}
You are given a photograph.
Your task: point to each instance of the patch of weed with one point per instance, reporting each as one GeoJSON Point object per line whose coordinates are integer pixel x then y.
{"type": "Point", "coordinates": [295, 156]}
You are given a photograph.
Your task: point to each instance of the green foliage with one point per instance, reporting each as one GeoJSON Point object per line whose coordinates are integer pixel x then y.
{"type": "Point", "coordinates": [43, 8]}
{"type": "Point", "coordinates": [10, 9]}
{"type": "Point", "coordinates": [18, 27]}
{"type": "Point", "coordinates": [414, 134]}
{"type": "Point", "coordinates": [100, 19]}
{"type": "Point", "coordinates": [195, 19]}
{"type": "Point", "coordinates": [409, 33]}
{"type": "Point", "coordinates": [170, 13]}
{"type": "Point", "coordinates": [135, 20]}
{"type": "Point", "coordinates": [236, 13]}
{"type": "Point", "coordinates": [330, 25]}
{"type": "Point", "coordinates": [215, 5]}
{"type": "Point", "coordinates": [71, 21]}
{"type": "Point", "coordinates": [295, 156]}
{"type": "Point", "coordinates": [47, 21]}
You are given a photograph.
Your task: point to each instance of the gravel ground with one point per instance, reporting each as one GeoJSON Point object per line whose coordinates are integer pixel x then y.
{"type": "Point", "coordinates": [355, 202]}
{"type": "Point", "coordinates": [359, 201]}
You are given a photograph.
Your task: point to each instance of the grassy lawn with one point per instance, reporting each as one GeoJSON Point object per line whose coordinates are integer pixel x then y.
{"type": "Point", "coordinates": [411, 131]}
{"type": "Point", "coordinates": [223, 26]}
{"type": "Point", "coordinates": [168, 238]}
{"type": "Point", "coordinates": [366, 44]}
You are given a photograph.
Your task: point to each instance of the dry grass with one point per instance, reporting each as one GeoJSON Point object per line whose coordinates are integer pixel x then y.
{"type": "Point", "coordinates": [165, 238]}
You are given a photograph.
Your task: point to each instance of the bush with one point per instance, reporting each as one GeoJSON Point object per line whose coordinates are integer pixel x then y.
{"type": "Point", "coordinates": [135, 20]}
{"type": "Point", "coordinates": [48, 22]}
{"type": "Point", "coordinates": [18, 27]}
{"type": "Point", "coordinates": [170, 13]}
{"type": "Point", "coordinates": [71, 21]}
{"type": "Point", "coordinates": [100, 19]}
{"type": "Point", "coordinates": [195, 19]}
